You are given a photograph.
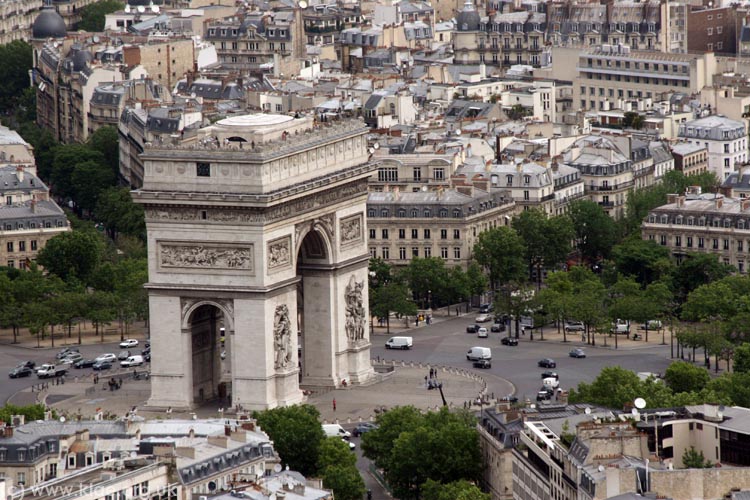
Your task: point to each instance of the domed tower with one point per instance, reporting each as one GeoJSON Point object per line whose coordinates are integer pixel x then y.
{"type": "Point", "coordinates": [48, 24]}
{"type": "Point", "coordinates": [468, 18]}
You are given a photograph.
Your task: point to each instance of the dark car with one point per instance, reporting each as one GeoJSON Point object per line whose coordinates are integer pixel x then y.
{"type": "Point", "coordinates": [145, 351]}
{"type": "Point", "coordinates": [485, 308]}
{"type": "Point", "coordinates": [547, 363]}
{"type": "Point", "coordinates": [20, 371]}
{"type": "Point", "coordinates": [147, 345]}
{"type": "Point", "coordinates": [84, 363]}
{"type": "Point", "coordinates": [577, 353]}
{"type": "Point", "coordinates": [363, 428]}
{"type": "Point", "coordinates": [509, 341]}
{"type": "Point", "coordinates": [482, 363]}
{"type": "Point", "coordinates": [123, 355]}
{"type": "Point", "coordinates": [29, 364]}
{"type": "Point", "coordinates": [102, 365]}
{"type": "Point", "coordinates": [509, 399]}
{"type": "Point", "coordinates": [497, 327]}
{"type": "Point", "coordinates": [66, 352]}
{"type": "Point", "coordinates": [472, 328]}
{"type": "Point", "coordinates": [550, 374]}
{"type": "Point", "coordinates": [147, 357]}
{"type": "Point", "coordinates": [543, 395]}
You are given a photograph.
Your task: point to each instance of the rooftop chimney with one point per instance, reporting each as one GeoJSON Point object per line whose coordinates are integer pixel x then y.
{"type": "Point", "coordinates": [19, 173]}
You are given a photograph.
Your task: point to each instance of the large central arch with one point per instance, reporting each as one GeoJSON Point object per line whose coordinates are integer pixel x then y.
{"type": "Point", "coordinates": [267, 243]}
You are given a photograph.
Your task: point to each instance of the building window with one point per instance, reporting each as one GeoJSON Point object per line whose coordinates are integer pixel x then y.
{"type": "Point", "coordinates": [372, 234]}
{"type": "Point", "coordinates": [456, 234]}
{"type": "Point", "coordinates": [373, 253]}
{"type": "Point", "coordinates": [715, 244]}
{"type": "Point", "coordinates": [678, 241]}
{"type": "Point", "coordinates": [388, 174]}
{"type": "Point", "coordinates": [203, 169]}
{"type": "Point", "coordinates": [427, 234]}
{"type": "Point", "coordinates": [444, 252]}
{"type": "Point", "coordinates": [438, 174]}
{"type": "Point", "coordinates": [10, 246]}
{"type": "Point", "coordinates": [457, 252]}
{"type": "Point", "coordinates": [415, 234]}
{"type": "Point", "coordinates": [663, 239]}
{"type": "Point", "coordinates": [726, 244]}
{"type": "Point", "coordinates": [526, 195]}
{"type": "Point", "coordinates": [427, 252]}
{"type": "Point", "coordinates": [443, 234]}
{"type": "Point", "coordinates": [402, 253]}
{"type": "Point", "coordinates": [414, 251]}
{"type": "Point", "coordinates": [417, 173]}
{"type": "Point", "coordinates": [71, 461]}
{"type": "Point", "coordinates": [11, 264]}
{"type": "Point", "coordinates": [386, 253]}
{"type": "Point", "coordinates": [690, 242]}
{"type": "Point", "coordinates": [384, 234]}
{"type": "Point", "coordinates": [21, 477]}
{"type": "Point", "coordinates": [401, 234]}
{"type": "Point", "coordinates": [701, 242]}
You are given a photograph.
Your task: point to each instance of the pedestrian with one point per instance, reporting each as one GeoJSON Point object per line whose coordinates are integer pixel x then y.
{"type": "Point", "coordinates": [334, 404]}
{"type": "Point", "coordinates": [416, 321]}
{"type": "Point", "coordinates": [425, 380]}
{"type": "Point", "coordinates": [369, 494]}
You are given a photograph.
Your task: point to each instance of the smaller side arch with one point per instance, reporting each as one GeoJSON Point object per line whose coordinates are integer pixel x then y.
{"type": "Point", "coordinates": [226, 307]}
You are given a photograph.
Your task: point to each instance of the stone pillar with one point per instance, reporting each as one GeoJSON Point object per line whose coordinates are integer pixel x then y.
{"type": "Point", "coordinates": [320, 329]}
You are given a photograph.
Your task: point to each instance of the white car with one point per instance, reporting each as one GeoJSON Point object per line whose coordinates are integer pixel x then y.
{"type": "Point", "coordinates": [482, 333]}
{"type": "Point", "coordinates": [128, 343]}
{"type": "Point", "coordinates": [109, 357]}
{"type": "Point", "coordinates": [483, 318]}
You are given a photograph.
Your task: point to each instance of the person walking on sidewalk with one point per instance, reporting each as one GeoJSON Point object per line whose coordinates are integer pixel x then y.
{"type": "Point", "coordinates": [334, 404]}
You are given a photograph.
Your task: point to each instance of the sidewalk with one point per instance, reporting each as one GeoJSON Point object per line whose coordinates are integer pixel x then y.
{"type": "Point", "coordinates": [88, 336]}
{"type": "Point", "coordinates": [603, 341]}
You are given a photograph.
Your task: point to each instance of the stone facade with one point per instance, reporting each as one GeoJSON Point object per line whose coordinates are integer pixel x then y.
{"type": "Point", "coordinates": [261, 220]}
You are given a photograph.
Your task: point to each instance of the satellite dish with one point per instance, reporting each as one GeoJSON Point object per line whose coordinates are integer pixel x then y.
{"type": "Point", "coordinates": [155, 9]}
{"type": "Point", "coordinates": [127, 8]}
{"type": "Point", "coordinates": [458, 131]}
{"type": "Point", "coordinates": [141, 9]}
{"type": "Point", "coordinates": [601, 468]}
{"type": "Point", "coordinates": [62, 420]}
{"type": "Point", "coordinates": [640, 403]}
{"type": "Point", "coordinates": [302, 4]}
{"type": "Point", "coordinates": [277, 468]}
{"type": "Point", "coordinates": [133, 454]}
{"type": "Point", "coordinates": [587, 411]}
{"type": "Point", "coordinates": [424, 189]}
{"type": "Point", "coordinates": [371, 150]}
{"type": "Point", "coordinates": [95, 39]}
{"type": "Point", "coordinates": [376, 145]}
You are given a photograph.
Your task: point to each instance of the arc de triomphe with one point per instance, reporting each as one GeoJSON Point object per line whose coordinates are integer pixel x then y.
{"type": "Point", "coordinates": [257, 261]}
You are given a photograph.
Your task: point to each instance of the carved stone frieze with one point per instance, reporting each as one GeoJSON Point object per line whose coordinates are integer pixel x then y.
{"type": "Point", "coordinates": [350, 230]}
{"type": "Point", "coordinates": [355, 310]}
{"type": "Point", "coordinates": [280, 253]}
{"type": "Point", "coordinates": [198, 256]}
{"type": "Point", "coordinates": [258, 215]}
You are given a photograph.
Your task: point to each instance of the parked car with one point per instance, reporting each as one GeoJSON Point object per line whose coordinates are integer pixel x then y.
{"type": "Point", "coordinates": [102, 365]}
{"type": "Point", "coordinates": [363, 427]}
{"type": "Point", "coordinates": [65, 352]}
{"type": "Point", "coordinates": [145, 351]}
{"type": "Point", "coordinates": [483, 318]}
{"type": "Point", "coordinates": [109, 357]}
{"type": "Point", "coordinates": [147, 344]}
{"type": "Point", "coordinates": [30, 364]}
{"type": "Point", "coordinates": [485, 308]}
{"type": "Point", "coordinates": [620, 326]}
{"type": "Point", "coordinates": [511, 341]}
{"type": "Point", "coordinates": [482, 333]}
{"type": "Point", "coordinates": [72, 357]}
{"type": "Point", "coordinates": [84, 363]}
{"type": "Point", "coordinates": [509, 399]}
{"type": "Point", "coordinates": [125, 354]}
{"type": "Point", "coordinates": [472, 329]}
{"type": "Point", "coordinates": [574, 326]}
{"type": "Point", "coordinates": [577, 353]}
{"type": "Point", "coordinates": [399, 343]}
{"type": "Point", "coordinates": [653, 324]}
{"type": "Point", "coordinates": [547, 363]}
{"type": "Point", "coordinates": [549, 374]}
{"type": "Point", "coordinates": [497, 327]}
{"type": "Point", "coordinates": [482, 363]}
{"type": "Point", "coordinates": [147, 356]}
{"type": "Point", "coordinates": [20, 371]}
{"type": "Point", "coordinates": [129, 343]}
{"type": "Point", "coordinates": [131, 361]}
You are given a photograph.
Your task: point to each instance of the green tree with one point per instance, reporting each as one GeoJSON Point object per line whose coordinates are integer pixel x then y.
{"type": "Point", "coordinates": [645, 260]}
{"type": "Point", "coordinates": [633, 120]}
{"type": "Point", "coordinates": [30, 412]}
{"type": "Point", "coordinates": [500, 251]}
{"type": "Point", "coordinates": [595, 231]}
{"type": "Point", "coordinates": [338, 468]}
{"type": "Point", "coordinates": [73, 254]}
{"type": "Point", "coordinates": [296, 433]}
{"type": "Point", "coordinates": [14, 72]}
{"type": "Point", "coordinates": [686, 377]}
{"type": "Point", "coordinates": [697, 269]}
{"type": "Point", "coordinates": [742, 358]}
{"type": "Point", "coordinates": [89, 180]}
{"type": "Point", "coordinates": [428, 280]}
{"type": "Point", "coordinates": [106, 141]}
{"type": "Point", "coordinates": [546, 239]}
{"type": "Point", "coordinates": [518, 112]}
{"type": "Point", "coordinates": [614, 387]}
{"type": "Point", "coordinates": [477, 280]}
{"type": "Point", "coordinates": [119, 214]}
{"type": "Point", "coordinates": [93, 15]}
{"type": "Point", "coordinates": [66, 158]}
{"type": "Point", "coordinates": [391, 298]}
{"type": "Point", "coordinates": [100, 309]}
{"type": "Point", "coordinates": [457, 490]}
{"type": "Point", "coordinates": [377, 444]}
{"type": "Point", "coordinates": [694, 459]}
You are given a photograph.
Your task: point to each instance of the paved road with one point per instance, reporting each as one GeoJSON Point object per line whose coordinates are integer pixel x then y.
{"type": "Point", "coordinates": [447, 342]}
{"type": "Point", "coordinates": [11, 356]}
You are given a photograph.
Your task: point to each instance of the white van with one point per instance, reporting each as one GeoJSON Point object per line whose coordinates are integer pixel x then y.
{"type": "Point", "coordinates": [335, 430]}
{"type": "Point", "coordinates": [136, 360]}
{"type": "Point", "coordinates": [399, 343]}
{"type": "Point", "coordinates": [476, 353]}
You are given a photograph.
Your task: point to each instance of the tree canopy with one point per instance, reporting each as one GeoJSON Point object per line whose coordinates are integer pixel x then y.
{"type": "Point", "coordinates": [93, 15]}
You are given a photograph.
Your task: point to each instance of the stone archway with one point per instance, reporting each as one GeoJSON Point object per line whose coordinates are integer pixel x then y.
{"type": "Point", "coordinates": [272, 241]}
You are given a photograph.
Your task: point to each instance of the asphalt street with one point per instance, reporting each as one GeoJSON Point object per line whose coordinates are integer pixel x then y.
{"type": "Point", "coordinates": [446, 343]}
{"type": "Point", "coordinates": [11, 356]}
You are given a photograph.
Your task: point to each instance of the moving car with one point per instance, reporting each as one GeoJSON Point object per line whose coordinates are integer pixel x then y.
{"type": "Point", "coordinates": [547, 363]}
{"type": "Point", "coordinates": [543, 395]}
{"type": "Point", "coordinates": [549, 373]}
{"type": "Point", "coordinates": [20, 371]}
{"type": "Point", "coordinates": [509, 399]}
{"type": "Point", "coordinates": [129, 343]}
{"type": "Point", "coordinates": [550, 383]}
{"type": "Point", "coordinates": [102, 365]}
{"type": "Point", "coordinates": [65, 352]}
{"type": "Point", "coordinates": [30, 364]}
{"type": "Point", "coordinates": [485, 308]}
{"type": "Point", "coordinates": [399, 343]}
{"type": "Point", "coordinates": [131, 361]}
{"type": "Point", "coordinates": [72, 357]}
{"type": "Point", "coordinates": [123, 355]}
{"type": "Point", "coordinates": [482, 333]}
{"type": "Point", "coordinates": [497, 327]}
{"type": "Point", "coordinates": [483, 318]}
{"type": "Point", "coordinates": [577, 353]}
{"type": "Point", "coordinates": [335, 430]}
{"type": "Point", "coordinates": [109, 357]}
{"type": "Point", "coordinates": [49, 371]}
{"type": "Point", "coordinates": [482, 363]}
{"type": "Point", "coordinates": [476, 353]}
{"type": "Point", "coordinates": [363, 427]}
{"type": "Point", "coordinates": [472, 328]}
{"type": "Point", "coordinates": [512, 341]}
{"type": "Point", "coordinates": [574, 326]}
{"type": "Point", "coordinates": [84, 363]}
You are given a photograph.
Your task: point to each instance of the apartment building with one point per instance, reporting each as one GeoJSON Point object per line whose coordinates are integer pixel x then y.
{"type": "Point", "coordinates": [324, 22]}
{"type": "Point", "coordinates": [724, 139]}
{"type": "Point", "coordinates": [713, 28]}
{"type": "Point", "coordinates": [737, 185]}
{"type": "Point", "coordinates": [690, 158]}
{"type": "Point", "coordinates": [442, 223]}
{"type": "Point", "coordinates": [606, 73]}
{"type": "Point", "coordinates": [259, 43]}
{"type": "Point", "coordinates": [703, 223]}
{"type": "Point", "coordinates": [16, 19]}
